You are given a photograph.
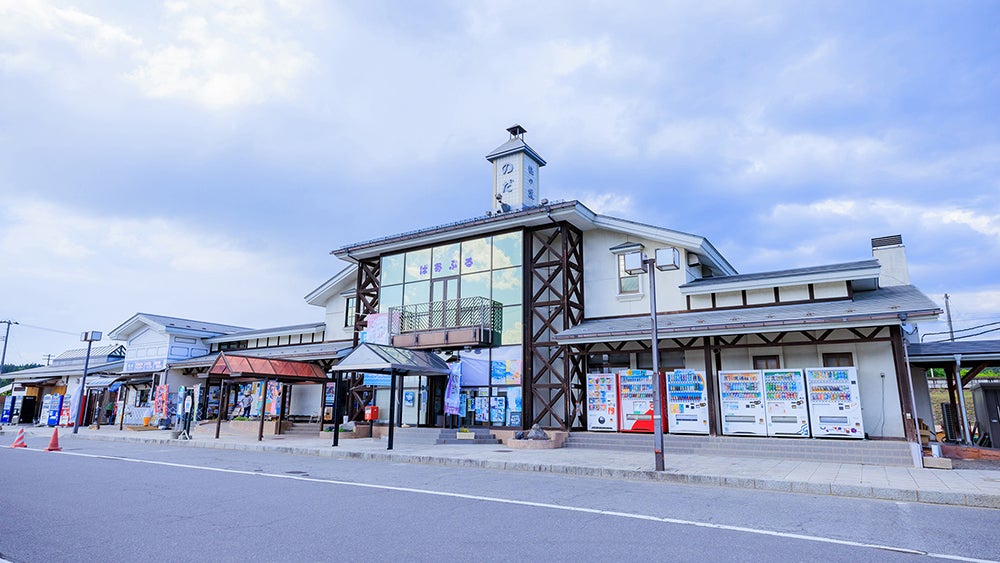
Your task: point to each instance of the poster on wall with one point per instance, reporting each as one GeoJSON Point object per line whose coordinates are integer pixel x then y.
{"type": "Point", "coordinates": [273, 398]}
{"type": "Point", "coordinates": [498, 409]}
{"type": "Point", "coordinates": [409, 398]}
{"type": "Point", "coordinates": [475, 367]}
{"type": "Point", "coordinates": [482, 409]}
{"type": "Point", "coordinates": [463, 405]}
{"type": "Point", "coordinates": [505, 366]}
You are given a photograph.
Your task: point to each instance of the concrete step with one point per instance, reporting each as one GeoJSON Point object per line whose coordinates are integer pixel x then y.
{"type": "Point", "coordinates": [875, 452]}
{"type": "Point", "coordinates": [482, 436]}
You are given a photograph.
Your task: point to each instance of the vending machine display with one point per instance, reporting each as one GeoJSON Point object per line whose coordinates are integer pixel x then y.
{"type": "Point", "coordinates": [741, 395]}
{"type": "Point", "coordinates": [687, 402]}
{"type": "Point", "coordinates": [635, 392]}
{"type": "Point", "coordinates": [55, 408]}
{"type": "Point", "coordinates": [834, 404]}
{"type": "Point", "coordinates": [785, 396]}
{"type": "Point", "coordinates": [602, 402]}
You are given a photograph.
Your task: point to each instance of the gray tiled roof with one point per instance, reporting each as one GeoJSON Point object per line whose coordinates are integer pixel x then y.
{"type": "Point", "coordinates": [829, 268]}
{"type": "Point", "coordinates": [884, 303]}
{"type": "Point", "coordinates": [318, 351]}
{"type": "Point", "coordinates": [512, 146]}
{"type": "Point", "coordinates": [176, 322]}
{"type": "Point", "coordinates": [968, 347]}
{"type": "Point", "coordinates": [74, 369]}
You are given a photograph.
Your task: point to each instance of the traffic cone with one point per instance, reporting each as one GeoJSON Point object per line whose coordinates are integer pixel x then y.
{"type": "Point", "coordinates": [54, 442]}
{"type": "Point", "coordinates": [19, 441]}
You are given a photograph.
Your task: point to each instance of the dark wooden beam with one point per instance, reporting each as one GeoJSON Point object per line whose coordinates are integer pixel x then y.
{"type": "Point", "coordinates": [904, 385]}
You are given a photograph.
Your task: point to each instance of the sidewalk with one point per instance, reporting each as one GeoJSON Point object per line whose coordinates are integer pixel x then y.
{"type": "Point", "coordinates": [962, 487]}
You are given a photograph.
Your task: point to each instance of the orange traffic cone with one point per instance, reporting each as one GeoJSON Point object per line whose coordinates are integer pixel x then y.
{"type": "Point", "coordinates": [19, 441]}
{"type": "Point", "coordinates": [54, 442]}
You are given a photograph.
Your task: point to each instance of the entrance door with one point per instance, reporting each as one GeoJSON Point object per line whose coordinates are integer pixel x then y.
{"type": "Point", "coordinates": [442, 290]}
{"type": "Point", "coordinates": [432, 413]}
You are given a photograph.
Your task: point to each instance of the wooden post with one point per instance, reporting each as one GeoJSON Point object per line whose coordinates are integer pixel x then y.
{"type": "Point", "coordinates": [121, 423]}
{"type": "Point", "coordinates": [263, 403]}
{"type": "Point", "coordinates": [322, 406]}
{"type": "Point", "coordinates": [336, 408]}
{"type": "Point", "coordinates": [223, 399]}
{"type": "Point", "coordinates": [904, 385]}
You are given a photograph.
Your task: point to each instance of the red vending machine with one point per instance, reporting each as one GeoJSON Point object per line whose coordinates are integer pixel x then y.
{"type": "Point", "coordinates": [635, 399]}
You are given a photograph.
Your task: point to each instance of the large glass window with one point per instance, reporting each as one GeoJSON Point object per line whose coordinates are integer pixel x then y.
{"type": "Point", "coordinates": [513, 326]}
{"type": "Point", "coordinates": [507, 250]}
{"type": "Point", "coordinates": [445, 260]}
{"type": "Point", "coordinates": [476, 255]}
{"type": "Point", "coordinates": [391, 296]}
{"type": "Point", "coordinates": [418, 265]}
{"type": "Point", "coordinates": [507, 286]}
{"type": "Point", "coordinates": [476, 285]}
{"type": "Point", "coordinates": [392, 269]}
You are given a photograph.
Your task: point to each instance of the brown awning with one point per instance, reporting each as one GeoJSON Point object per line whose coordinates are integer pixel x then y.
{"type": "Point", "coordinates": [248, 367]}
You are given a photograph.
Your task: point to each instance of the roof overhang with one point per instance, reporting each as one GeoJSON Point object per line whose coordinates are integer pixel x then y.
{"type": "Point", "coordinates": [379, 358]}
{"type": "Point", "coordinates": [573, 212]}
{"type": "Point", "coordinates": [248, 367]}
{"type": "Point", "coordinates": [867, 276]}
{"type": "Point", "coordinates": [332, 286]}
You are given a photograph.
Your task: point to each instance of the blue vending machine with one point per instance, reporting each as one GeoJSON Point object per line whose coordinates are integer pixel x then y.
{"type": "Point", "coordinates": [55, 408]}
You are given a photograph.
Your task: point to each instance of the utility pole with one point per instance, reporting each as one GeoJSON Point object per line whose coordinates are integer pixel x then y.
{"type": "Point", "coordinates": [48, 359]}
{"type": "Point", "coordinates": [947, 311]}
{"type": "Point", "coordinates": [3, 357]}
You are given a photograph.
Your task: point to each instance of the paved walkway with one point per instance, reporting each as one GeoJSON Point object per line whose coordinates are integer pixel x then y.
{"type": "Point", "coordinates": [963, 487]}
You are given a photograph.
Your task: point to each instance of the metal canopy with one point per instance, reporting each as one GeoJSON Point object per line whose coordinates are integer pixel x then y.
{"type": "Point", "coordinates": [379, 358]}
{"type": "Point", "coordinates": [285, 371]}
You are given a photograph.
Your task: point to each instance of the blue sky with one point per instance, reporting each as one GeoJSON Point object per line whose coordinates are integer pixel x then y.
{"type": "Point", "coordinates": [202, 159]}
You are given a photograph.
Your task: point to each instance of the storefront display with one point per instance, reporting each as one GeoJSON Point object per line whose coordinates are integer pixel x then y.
{"type": "Point", "coordinates": [741, 395]}
{"type": "Point", "coordinates": [687, 402]}
{"type": "Point", "coordinates": [635, 394]}
{"type": "Point", "coordinates": [785, 396]}
{"type": "Point", "coordinates": [602, 402]}
{"type": "Point", "coordinates": [834, 403]}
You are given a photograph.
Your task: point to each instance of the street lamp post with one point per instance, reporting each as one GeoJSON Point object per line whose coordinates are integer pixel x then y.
{"type": "Point", "coordinates": [636, 263]}
{"type": "Point", "coordinates": [89, 337]}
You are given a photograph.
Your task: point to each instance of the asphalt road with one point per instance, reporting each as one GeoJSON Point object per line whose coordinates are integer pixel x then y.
{"type": "Point", "coordinates": [100, 501]}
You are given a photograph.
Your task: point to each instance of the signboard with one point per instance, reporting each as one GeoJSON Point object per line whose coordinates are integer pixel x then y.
{"type": "Point", "coordinates": [377, 331]}
{"type": "Point", "coordinates": [378, 379]}
{"type": "Point", "coordinates": [55, 409]}
{"type": "Point", "coordinates": [135, 366]}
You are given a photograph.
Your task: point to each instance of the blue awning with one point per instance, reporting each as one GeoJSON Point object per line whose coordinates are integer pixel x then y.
{"type": "Point", "coordinates": [114, 386]}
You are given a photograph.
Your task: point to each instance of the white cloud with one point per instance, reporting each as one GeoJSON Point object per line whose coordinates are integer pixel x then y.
{"type": "Point", "coordinates": [615, 204]}
{"type": "Point", "coordinates": [70, 270]}
{"type": "Point", "coordinates": [221, 55]}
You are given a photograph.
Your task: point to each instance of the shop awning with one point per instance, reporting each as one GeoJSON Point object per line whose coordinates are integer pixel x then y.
{"type": "Point", "coordinates": [379, 358]}
{"type": "Point", "coordinates": [99, 382]}
{"type": "Point", "coordinates": [249, 367]}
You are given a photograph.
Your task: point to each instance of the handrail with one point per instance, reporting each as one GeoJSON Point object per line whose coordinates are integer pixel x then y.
{"type": "Point", "coordinates": [452, 313]}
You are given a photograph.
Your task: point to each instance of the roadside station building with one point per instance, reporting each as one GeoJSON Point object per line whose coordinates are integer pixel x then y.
{"type": "Point", "coordinates": [535, 295]}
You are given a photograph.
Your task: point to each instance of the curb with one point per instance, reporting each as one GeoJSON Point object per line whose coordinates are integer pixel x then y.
{"type": "Point", "coordinates": [975, 500]}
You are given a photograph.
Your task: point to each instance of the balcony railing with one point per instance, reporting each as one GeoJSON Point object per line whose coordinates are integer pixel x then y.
{"type": "Point", "coordinates": [469, 312]}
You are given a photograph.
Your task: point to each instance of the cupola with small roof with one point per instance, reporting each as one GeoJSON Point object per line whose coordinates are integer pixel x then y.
{"type": "Point", "coordinates": [515, 174]}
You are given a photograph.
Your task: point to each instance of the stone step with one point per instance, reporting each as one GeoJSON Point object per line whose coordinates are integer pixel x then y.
{"type": "Point", "coordinates": [875, 452]}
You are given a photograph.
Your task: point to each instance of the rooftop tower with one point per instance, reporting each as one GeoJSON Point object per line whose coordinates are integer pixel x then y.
{"type": "Point", "coordinates": [515, 174]}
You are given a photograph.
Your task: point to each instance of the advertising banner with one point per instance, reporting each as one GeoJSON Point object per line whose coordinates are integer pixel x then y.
{"type": "Point", "coordinates": [453, 392]}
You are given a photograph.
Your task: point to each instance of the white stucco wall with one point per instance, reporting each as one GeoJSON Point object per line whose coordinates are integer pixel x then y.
{"type": "Point", "coordinates": [879, 396]}
{"type": "Point", "coordinates": [600, 274]}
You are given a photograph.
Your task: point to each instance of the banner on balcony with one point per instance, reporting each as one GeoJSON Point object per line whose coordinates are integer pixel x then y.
{"type": "Point", "coordinates": [377, 331]}
{"type": "Point", "coordinates": [453, 392]}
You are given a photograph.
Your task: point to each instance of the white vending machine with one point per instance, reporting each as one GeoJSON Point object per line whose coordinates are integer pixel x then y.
{"type": "Point", "coordinates": [687, 402]}
{"type": "Point", "coordinates": [741, 395]}
{"type": "Point", "coordinates": [602, 402]}
{"type": "Point", "coordinates": [834, 404]}
{"type": "Point", "coordinates": [785, 401]}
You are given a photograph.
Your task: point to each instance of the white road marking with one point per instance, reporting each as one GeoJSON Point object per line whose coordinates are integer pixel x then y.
{"type": "Point", "coordinates": [629, 515]}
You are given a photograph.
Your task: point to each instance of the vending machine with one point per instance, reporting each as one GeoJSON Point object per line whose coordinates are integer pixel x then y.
{"type": "Point", "coordinates": [741, 395]}
{"type": "Point", "coordinates": [635, 393]}
{"type": "Point", "coordinates": [7, 416]}
{"type": "Point", "coordinates": [785, 400]}
{"type": "Point", "coordinates": [687, 402]}
{"type": "Point", "coordinates": [55, 408]}
{"type": "Point", "coordinates": [834, 403]}
{"type": "Point", "coordinates": [602, 402]}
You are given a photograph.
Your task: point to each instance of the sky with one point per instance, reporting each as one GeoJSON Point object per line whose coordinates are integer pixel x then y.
{"type": "Point", "coordinates": [201, 159]}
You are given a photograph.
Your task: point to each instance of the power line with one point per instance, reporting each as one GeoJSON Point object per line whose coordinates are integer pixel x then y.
{"type": "Point", "coordinates": [969, 335]}
{"type": "Point", "coordinates": [51, 329]}
{"type": "Point", "coordinates": [963, 329]}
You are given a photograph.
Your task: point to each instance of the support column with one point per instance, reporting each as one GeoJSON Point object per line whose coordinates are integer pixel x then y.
{"type": "Point", "coordinates": [392, 405]}
{"type": "Point", "coordinates": [713, 398]}
{"type": "Point", "coordinates": [263, 403]}
{"type": "Point", "coordinates": [336, 408]}
{"type": "Point", "coordinates": [904, 385]}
